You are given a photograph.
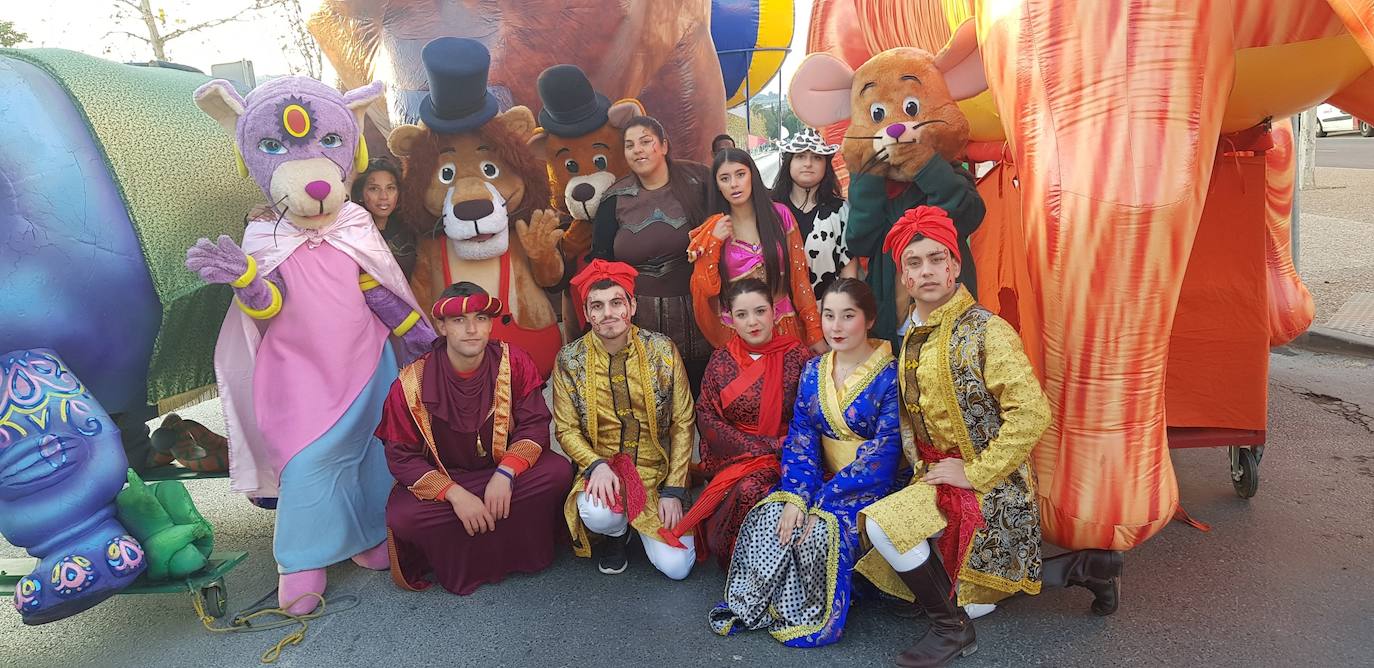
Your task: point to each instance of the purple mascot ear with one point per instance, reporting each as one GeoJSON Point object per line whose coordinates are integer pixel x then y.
{"type": "Point", "coordinates": [220, 101]}
{"type": "Point", "coordinates": [358, 100]}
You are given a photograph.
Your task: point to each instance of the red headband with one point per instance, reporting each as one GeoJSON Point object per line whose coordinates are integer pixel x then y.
{"type": "Point", "coordinates": [930, 222]}
{"type": "Point", "coordinates": [619, 272]}
{"type": "Point", "coordinates": [452, 307]}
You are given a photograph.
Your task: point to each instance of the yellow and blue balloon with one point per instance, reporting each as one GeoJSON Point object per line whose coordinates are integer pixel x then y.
{"type": "Point", "coordinates": [750, 24]}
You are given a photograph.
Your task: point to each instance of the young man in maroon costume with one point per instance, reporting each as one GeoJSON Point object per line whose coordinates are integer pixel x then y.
{"type": "Point", "coordinates": [466, 430]}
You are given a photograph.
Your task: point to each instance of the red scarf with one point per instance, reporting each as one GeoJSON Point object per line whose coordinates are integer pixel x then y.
{"type": "Point", "coordinates": [769, 368]}
{"type": "Point", "coordinates": [963, 515]}
{"type": "Point", "coordinates": [711, 497]}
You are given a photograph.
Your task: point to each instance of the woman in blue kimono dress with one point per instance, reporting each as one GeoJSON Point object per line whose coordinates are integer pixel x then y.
{"type": "Point", "coordinates": [843, 452]}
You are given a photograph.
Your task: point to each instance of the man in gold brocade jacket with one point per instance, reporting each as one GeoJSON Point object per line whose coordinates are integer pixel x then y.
{"type": "Point", "coordinates": [972, 410]}
{"type": "Point", "coordinates": [623, 413]}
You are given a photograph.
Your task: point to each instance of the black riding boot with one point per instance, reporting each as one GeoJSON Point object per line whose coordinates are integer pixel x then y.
{"type": "Point", "coordinates": [1099, 571]}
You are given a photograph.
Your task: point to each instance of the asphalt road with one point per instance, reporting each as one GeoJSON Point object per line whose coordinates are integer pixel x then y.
{"type": "Point", "coordinates": [1283, 579]}
{"type": "Point", "coordinates": [1348, 150]}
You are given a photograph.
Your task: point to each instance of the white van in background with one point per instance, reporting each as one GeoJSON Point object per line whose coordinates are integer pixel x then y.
{"type": "Point", "coordinates": [1330, 119]}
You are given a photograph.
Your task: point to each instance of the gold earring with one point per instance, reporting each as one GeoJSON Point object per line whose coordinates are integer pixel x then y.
{"type": "Point", "coordinates": [360, 157]}
{"type": "Point", "coordinates": [238, 162]}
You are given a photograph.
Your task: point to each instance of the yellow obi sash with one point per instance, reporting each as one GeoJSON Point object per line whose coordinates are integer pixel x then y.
{"type": "Point", "coordinates": [838, 453]}
{"type": "Point", "coordinates": [841, 451]}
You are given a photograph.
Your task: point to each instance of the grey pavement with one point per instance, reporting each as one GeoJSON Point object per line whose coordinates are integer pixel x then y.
{"type": "Point", "coordinates": [1346, 150]}
{"type": "Point", "coordinates": [1283, 579]}
{"type": "Point", "coordinates": [1335, 253]}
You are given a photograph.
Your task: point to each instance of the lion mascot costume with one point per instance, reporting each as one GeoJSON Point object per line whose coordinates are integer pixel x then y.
{"type": "Point", "coordinates": [469, 169]}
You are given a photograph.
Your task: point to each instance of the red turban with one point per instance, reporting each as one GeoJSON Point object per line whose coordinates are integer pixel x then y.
{"type": "Point", "coordinates": [930, 222]}
{"type": "Point", "coordinates": [619, 272]}
{"type": "Point", "coordinates": [452, 307]}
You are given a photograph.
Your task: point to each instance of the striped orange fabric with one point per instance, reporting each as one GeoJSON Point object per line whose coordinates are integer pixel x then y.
{"type": "Point", "coordinates": [1107, 247]}
{"type": "Point", "coordinates": [1112, 112]}
{"type": "Point", "coordinates": [1290, 304]}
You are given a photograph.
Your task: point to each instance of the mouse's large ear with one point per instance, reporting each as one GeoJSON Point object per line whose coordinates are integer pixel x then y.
{"type": "Point", "coordinates": [220, 101]}
{"type": "Point", "coordinates": [961, 63]}
{"type": "Point", "coordinates": [819, 93]}
{"type": "Point", "coordinates": [359, 99]}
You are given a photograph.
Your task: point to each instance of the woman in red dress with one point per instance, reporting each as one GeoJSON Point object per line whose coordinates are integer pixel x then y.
{"type": "Point", "coordinates": [745, 406]}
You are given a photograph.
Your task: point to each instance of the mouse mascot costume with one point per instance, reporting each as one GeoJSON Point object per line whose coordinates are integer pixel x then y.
{"type": "Point", "coordinates": [321, 318]}
{"type": "Point", "coordinates": [905, 129]}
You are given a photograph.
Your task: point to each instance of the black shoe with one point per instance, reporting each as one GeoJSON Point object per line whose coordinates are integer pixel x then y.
{"type": "Point", "coordinates": [610, 554]}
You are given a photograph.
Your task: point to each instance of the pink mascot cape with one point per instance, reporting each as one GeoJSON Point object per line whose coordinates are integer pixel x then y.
{"type": "Point", "coordinates": [257, 458]}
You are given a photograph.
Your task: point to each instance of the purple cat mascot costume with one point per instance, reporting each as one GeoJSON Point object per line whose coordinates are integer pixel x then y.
{"type": "Point", "coordinates": [306, 354]}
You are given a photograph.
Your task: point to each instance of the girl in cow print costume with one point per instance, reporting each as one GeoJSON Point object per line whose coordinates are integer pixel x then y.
{"type": "Point", "coordinates": [807, 184]}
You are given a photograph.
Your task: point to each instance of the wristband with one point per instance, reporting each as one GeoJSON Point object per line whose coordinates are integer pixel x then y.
{"type": "Point", "coordinates": [248, 274]}
{"type": "Point", "coordinates": [406, 324]}
{"type": "Point", "coordinates": [272, 309]}
{"type": "Point", "coordinates": [506, 473]}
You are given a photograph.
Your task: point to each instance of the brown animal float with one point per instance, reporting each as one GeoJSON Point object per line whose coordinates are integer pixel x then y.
{"type": "Point", "coordinates": [659, 52]}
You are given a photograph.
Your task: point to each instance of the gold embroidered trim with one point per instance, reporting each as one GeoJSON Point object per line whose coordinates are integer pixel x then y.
{"type": "Point", "coordinates": [832, 568]}
{"type": "Point", "coordinates": [500, 409]}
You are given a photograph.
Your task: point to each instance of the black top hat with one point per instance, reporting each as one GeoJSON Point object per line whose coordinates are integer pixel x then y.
{"type": "Point", "coordinates": [571, 107]}
{"type": "Point", "coordinates": [458, 100]}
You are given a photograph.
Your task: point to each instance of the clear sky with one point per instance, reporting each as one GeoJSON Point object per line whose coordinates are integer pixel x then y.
{"type": "Point", "coordinates": [86, 25]}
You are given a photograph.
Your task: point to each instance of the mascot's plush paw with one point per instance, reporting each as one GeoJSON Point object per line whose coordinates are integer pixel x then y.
{"type": "Point", "coordinates": [541, 235]}
{"type": "Point", "coordinates": [376, 558]}
{"type": "Point", "coordinates": [219, 262]}
{"type": "Point", "coordinates": [295, 589]}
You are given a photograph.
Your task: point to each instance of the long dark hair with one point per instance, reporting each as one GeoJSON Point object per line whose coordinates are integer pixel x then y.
{"type": "Point", "coordinates": [858, 291]}
{"type": "Point", "coordinates": [772, 238]}
{"type": "Point", "coordinates": [827, 191]}
{"type": "Point", "coordinates": [373, 166]}
{"type": "Point", "coordinates": [687, 194]}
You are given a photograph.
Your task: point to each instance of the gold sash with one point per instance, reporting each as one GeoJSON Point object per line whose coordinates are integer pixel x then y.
{"type": "Point", "coordinates": [839, 453]}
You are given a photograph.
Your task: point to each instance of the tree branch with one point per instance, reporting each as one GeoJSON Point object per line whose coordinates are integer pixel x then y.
{"type": "Point", "coordinates": [256, 6]}
{"type": "Point", "coordinates": [131, 4]}
{"type": "Point", "coordinates": [202, 26]}
{"type": "Point", "coordinates": [126, 32]}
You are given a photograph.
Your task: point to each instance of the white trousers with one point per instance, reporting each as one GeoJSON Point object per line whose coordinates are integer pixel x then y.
{"type": "Point", "coordinates": [674, 562]}
{"type": "Point", "coordinates": [912, 559]}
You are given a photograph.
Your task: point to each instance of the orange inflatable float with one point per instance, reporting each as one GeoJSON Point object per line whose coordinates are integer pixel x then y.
{"type": "Point", "coordinates": [1129, 227]}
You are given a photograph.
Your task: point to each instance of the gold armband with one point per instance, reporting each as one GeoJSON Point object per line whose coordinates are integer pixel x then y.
{"type": "Point", "coordinates": [248, 274]}
{"type": "Point", "coordinates": [367, 282]}
{"type": "Point", "coordinates": [406, 324]}
{"type": "Point", "coordinates": [271, 310]}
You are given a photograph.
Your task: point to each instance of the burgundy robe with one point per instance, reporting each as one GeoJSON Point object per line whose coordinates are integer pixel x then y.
{"type": "Point", "coordinates": [724, 443]}
{"type": "Point", "coordinates": [425, 534]}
